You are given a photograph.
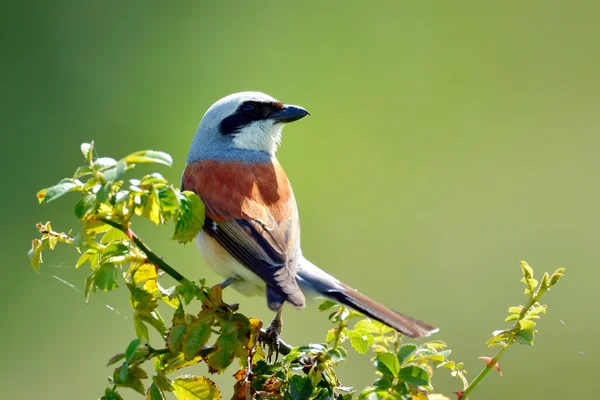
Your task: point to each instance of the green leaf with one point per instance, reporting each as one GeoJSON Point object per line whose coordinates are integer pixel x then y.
{"type": "Point", "coordinates": [526, 336]}
{"type": "Point", "coordinates": [85, 206]}
{"type": "Point", "coordinates": [526, 324]}
{"type": "Point", "coordinates": [104, 162]}
{"type": "Point", "coordinates": [559, 273]}
{"type": "Point", "coordinates": [114, 173]}
{"type": "Point", "coordinates": [526, 270]}
{"type": "Point", "coordinates": [197, 334]}
{"type": "Point", "coordinates": [225, 348]}
{"type": "Point", "coordinates": [154, 393]}
{"type": "Point", "coordinates": [360, 340]}
{"type": "Point", "coordinates": [110, 394]}
{"type": "Point", "coordinates": [367, 325]}
{"type": "Point", "coordinates": [105, 277]}
{"type": "Point", "coordinates": [169, 204]}
{"type": "Point", "coordinates": [189, 387]}
{"type": "Point", "coordinates": [115, 359]}
{"type": "Point", "coordinates": [387, 364]}
{"type": "Point", "coordinates": [175, 337]}
{"type": "Point", "coordinates": [326, 305]}
{"type": "Point", "coordinates": [154, 319]}
{"type": "Point", "coordinates": [60, 189]}
{"type": "Point", "coordinates": [415, 375]}
{"type": "Point", "coordinates": [405, 352]}
{"type": "Point", "coordinates": [87, 150]}
{"type": "Point", "coordinates": [152, 209]}
{"type": "Point", "coordinates": [149, 156]}
{"type": "Point", "coordinates": [132, 379]}
{"type": "Point", "coordinates": [35, 254]}
{"type": "Point", "coordinates": [115, 250]}
{"type": "Point", "coordinates": [141, 330]}
{"type": "Point", "coordinates": [103, 193]}
{"type": "Point", "coordinates": [190, 217]}
{"type": "Point", "coordinates": [300, 387]}
{"type": "Point", "coordinates": [131, 348]}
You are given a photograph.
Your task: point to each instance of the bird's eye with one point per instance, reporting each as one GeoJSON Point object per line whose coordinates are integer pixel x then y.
{"type": "Point", "coordinates": [250, 109]}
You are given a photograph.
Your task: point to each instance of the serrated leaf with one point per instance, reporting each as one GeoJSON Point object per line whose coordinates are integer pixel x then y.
{"type": "Point", "coordinates": [405, 352]}
{"type": "Point", "coordinates": [197, 334]}
{"type": "Point", "coordinates": [189, 387]}
{"type": "Point", "coordinates": [526, 336]}
{"type": "Point", "coordinates": [131, 379]}
{"type": "Point", "coordinates": [169, 204]}
{"type": "Point", "coordinates": [149, 156]}
{"type": "Point", "coordinates": [367, 325]}
{"type": "Point", "coordinates": [512, 317]}
{"type": "Point", "coordinates": [143, 273]}
{"type": "Point", "coordinates": [190, 217]}
{"type": "Point", "coordinates": [360, 340]}
{"type": "Point", "coordinates": [175, 337]}
{"type": "Point", "coordinates": [110, 394]}
{"type": "Point", "coordinates": [57, 191]}
{"type": "Point", "coordinates": [152, 209]}
{"type": "Point", "coordinates": [387, 364]}
{"type": "Point", "coordinates": [224, 353]}
{"type": "Point", "coordinates": [105, 277]}
{"type": "Point", "coordinates": [154, 393]}
{"type": "Point", "coordinates": [526, 324]}
{"type": "Point", "coordinates": [85, 206]}
{"type": "Point", "coordinates": [300, 387]}
{"type": "Point", "coordinates": [415, 375]}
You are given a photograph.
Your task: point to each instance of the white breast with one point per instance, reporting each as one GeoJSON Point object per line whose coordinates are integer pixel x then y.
{"type": "Point", "coordinates": [225, 265]}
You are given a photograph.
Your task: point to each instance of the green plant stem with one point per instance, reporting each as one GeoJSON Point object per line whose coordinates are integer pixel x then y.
{"type": "Point", "coordinates": [153, 258]}
{"type": "Point", "coordinates": [283, 347]}
{"type": "Point", "coordinates": [485, 371]}
{"type": "Point", "coordinates": [533, 298]}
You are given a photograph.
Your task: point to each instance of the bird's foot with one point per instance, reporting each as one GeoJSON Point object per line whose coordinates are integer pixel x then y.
{"type": "Point", "coordinates": [271, 337]}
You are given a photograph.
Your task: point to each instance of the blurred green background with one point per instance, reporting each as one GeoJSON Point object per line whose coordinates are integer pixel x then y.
{"type": "Point", "coordinates": [447, 142]}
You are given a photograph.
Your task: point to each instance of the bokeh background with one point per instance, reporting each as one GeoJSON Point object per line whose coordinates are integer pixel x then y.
{"type": "Point", "coordinates": [447, 142]}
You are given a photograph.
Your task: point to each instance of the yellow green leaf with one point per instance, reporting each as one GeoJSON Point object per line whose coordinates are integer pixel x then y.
{"type": "Point", "coordinates": [190, 387]}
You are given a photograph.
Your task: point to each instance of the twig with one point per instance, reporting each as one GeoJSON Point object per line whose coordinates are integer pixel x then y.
{"type": "Point", "coordinates": [153, 258]}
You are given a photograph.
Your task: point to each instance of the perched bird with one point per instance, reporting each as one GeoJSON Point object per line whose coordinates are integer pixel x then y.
{"type": "Point", "coordinates": [251, 234]}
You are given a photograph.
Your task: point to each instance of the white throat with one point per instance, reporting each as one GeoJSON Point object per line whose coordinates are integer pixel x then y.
{"type": "Point", "coordinates": [261, 135]}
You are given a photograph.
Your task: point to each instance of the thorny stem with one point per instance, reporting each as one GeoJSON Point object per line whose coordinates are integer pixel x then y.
{"type": "Point", "coordinates": [533, 298]}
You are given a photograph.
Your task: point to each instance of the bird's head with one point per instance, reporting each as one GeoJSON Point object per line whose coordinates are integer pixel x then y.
{"type": "Point", "coordinates": [243, 121]}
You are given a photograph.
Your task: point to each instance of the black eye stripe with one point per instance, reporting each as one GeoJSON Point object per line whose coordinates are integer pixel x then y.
{"type": "Point", "coordinates": [248, 112]}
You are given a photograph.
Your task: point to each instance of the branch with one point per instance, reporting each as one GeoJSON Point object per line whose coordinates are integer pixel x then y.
{"type": "Point", "coordinates": [152, 257]}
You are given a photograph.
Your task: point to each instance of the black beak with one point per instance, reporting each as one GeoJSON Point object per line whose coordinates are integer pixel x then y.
{"type": "Point", "coordinates": [290, 113]}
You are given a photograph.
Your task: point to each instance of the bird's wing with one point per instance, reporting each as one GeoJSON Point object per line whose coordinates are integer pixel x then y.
{"type": "Point", "coordinates": [251, 212]}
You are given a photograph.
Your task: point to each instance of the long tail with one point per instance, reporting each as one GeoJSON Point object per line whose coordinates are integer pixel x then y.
{"type": "Point", "coordinates": [312, 278]}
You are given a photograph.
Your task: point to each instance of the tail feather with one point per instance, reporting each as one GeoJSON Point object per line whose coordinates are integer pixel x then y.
{"type": "Point", "coordinates": [314, 279]}
{"type": "Point", "coordinates": [400, 322]}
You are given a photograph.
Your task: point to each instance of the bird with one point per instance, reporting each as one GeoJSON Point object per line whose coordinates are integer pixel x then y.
{"type": "Point", "coordinates": [251, 233]}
